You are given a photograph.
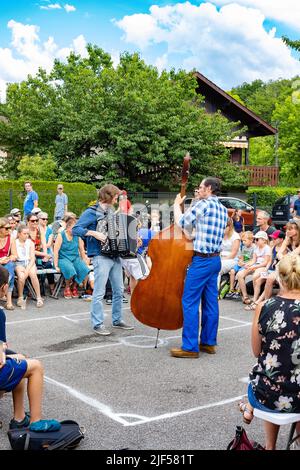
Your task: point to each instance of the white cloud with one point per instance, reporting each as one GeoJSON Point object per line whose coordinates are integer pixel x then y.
{"type": "Point", "coordinates": [57, 6]}
{"type": "Point", "coordinates": [28, 53]}
{"type": "Point", "coordinates": [285, 11]}
{"type": "Point", "coordinates": [69, 8]}
{"type": "Point", "coordinates": [52, 6]}
{"type": "Point", "coordinates": [229, 46]}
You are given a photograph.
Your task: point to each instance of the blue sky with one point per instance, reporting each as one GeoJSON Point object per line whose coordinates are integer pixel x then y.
{"type": "Point", "coordinates": [228, 41]}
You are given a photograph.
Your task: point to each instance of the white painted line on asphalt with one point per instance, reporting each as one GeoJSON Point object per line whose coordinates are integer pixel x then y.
{"type": "Point", "coordinates": [28, 320]}
{"type": "Point", "coordinates": [234, 319]}
{"type": "Point", "coordinates": [139, 419]}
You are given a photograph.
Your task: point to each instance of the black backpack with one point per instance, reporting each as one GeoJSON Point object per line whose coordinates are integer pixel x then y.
{"type": "Point", "coordinates": [68, 437]}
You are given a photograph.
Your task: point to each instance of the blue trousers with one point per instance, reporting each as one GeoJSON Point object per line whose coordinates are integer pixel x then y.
{"type": "Point", "coordinates": [201, 284]}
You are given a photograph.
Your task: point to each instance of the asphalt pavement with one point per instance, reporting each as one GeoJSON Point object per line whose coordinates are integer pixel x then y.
{"type": "Point", "coordinates": [129, 394]}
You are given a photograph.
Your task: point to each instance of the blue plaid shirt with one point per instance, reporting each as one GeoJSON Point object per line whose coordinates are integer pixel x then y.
{"type": "Point", "coordinates": [209, 218]}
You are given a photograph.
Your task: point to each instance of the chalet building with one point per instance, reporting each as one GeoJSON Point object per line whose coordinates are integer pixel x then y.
{"type": "Point", "coordinates": [216, 99]}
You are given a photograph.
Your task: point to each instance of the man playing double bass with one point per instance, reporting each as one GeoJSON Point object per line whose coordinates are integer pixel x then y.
{"type": "Point", "coordinates": [208, 218]}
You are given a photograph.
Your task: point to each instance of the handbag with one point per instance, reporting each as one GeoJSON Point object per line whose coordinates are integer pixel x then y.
{"type": "Point", "coordinates": [242, 442]}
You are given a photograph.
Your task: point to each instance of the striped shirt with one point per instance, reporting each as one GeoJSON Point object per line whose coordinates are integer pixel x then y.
{"type": "Point", "coordinates": [209, 218]}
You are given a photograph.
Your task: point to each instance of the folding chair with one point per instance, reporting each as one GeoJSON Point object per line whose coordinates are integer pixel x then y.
{"type": "Point", "coordinates": [280, 419]}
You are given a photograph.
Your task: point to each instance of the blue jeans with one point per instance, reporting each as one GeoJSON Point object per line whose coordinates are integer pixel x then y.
{"type": "Point", "coordinates": [104, 269]}
{"type": "Point", "coordinates": [201, 283]}
{"type": "Point", "coordinates": [10, 267]}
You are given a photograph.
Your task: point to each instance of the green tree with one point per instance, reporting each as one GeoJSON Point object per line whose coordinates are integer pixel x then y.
{"type": "Point", "coordinates": [293, 44]}
{"type": "Point", "coordinates": [37, 168]}
{"type": "Point", "coordinates": [129, 124]}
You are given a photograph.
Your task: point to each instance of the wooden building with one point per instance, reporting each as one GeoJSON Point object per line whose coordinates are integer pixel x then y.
{"type": "Point", "coordinates": [216, 99]}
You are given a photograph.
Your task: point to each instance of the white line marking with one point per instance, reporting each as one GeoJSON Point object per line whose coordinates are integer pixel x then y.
{"type": "Point", "coordinates": [119, 417]}
{"type": "Point", "coordinates": [28, 320]}
{"type": "Point", "coordinates": [234, 319]}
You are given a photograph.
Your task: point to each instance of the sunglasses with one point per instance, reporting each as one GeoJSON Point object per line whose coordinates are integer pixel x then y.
{"type": "Point", "coordinates": [42, 218]}
{"type": "Point", "coordinates": [35, 221]}
{"type": "Point", "coordinates": [6, 227]}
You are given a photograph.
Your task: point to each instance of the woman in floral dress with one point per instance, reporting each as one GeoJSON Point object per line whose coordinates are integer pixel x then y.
{"type": "Point", "coordinates": [275, 379]}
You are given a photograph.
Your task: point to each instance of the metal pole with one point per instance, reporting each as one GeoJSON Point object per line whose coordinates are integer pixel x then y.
{"type": "Point", "coordinates": [10, 199]}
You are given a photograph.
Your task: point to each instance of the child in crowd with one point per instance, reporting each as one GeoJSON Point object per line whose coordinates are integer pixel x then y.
{"type": "Point", "coordinates": [14, 370]}
{"type": "Point", "coordinates": [269, 276]}
{"type": "Point", "coordinates": [245, 255]}
{"type": "Point", "coordinates": [260, 261]}
{"type": "Point", "coordinates": [24, 251]}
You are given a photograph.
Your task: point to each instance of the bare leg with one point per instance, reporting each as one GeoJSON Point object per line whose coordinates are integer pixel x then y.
{"type": "Point", "coordinates": [241, 278]}
{"type": "Point", "coordinates": [232, 279]}
{"type": "Point", "coordinates": [132, 284]}
{"type": "Point", "coordinates": [257, 285]}
{"type": "Point", "coordinates": [18, 400]}
{"type": "Point", "coordinates": [35, 283]}
{"type": "Point", "coordinates": [35, 375]}
{"type": "Point", "coordinates": [21, 280]}
{"type": "Point", "coordinates": [271, 433]}
{"type": "Point", "coordinates": [9, 298]}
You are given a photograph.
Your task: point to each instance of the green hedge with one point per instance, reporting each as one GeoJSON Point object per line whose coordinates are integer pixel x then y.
{"type": "Point", "coordinates": [79, 194]}
{"type": "Point", "coordinates": [267, 195]}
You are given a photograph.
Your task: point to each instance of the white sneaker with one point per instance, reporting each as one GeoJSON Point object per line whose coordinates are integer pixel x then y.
{"type": "Point", "coordinates": [102, 330]}
{"type": "Point", "coordinates": [123, 326]}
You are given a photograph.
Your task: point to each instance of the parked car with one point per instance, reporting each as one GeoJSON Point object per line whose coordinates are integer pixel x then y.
{"type": "Point", "coordinates": [281, 211]}
{"type": "Point", "coordinates": [232, 203]}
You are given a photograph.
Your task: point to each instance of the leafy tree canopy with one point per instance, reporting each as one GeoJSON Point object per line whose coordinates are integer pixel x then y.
{"type": "Point", "coordinates": [129, 125]}
{"type": "Point", "coordinates": [37, 168]}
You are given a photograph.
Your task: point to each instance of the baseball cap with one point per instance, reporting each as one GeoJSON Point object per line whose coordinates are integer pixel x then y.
{"type": "Point", "coordinates": [277, 234]}
{"type": "Point", "coordinates": [15, 211]}
{"type": "Point", "coordinates": [261, 234]}
{"type": "Point", "coordinates": [36, 210]}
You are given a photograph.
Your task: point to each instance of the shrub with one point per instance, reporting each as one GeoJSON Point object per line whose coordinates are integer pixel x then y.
{"type": "Point", "coordinates": [79, 194]}
{"type": "Point", "coordinates": [267, 196]}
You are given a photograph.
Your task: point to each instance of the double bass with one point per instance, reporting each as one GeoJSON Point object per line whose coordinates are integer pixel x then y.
{"type": "Point", "coordinates": [156, 301]}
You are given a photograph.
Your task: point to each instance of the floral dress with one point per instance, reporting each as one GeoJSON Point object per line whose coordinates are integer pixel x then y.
{"type": "Point", "coordinates": [275, 379]}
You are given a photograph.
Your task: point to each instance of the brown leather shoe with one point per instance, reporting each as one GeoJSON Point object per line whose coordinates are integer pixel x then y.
{"type": "Point", "coordinates": [178, 352]}
{"type": "Point", "coordinates": [208, 349]}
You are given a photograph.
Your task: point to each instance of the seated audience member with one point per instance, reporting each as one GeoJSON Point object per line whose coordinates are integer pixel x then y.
{"type": "Point", "coordinates": [13, 225]}
{"type": "Point", "coordinates": [244, 256]}
{"type": "Point", "coordinates": [17, 215]}
{"type": "Point", "coordinates": [260, 261]}
{"type": "Point", "coordinates": [274, 380]}
{"type": "Point", "coordinates": [70, 259]}
{"type": "Point", "coordinates": [60, 225]}
{"type": "Point", "coordinates": [269, 277]}
{"type": "Point", "coordinates": [7, 259]}
{"type": "Point", "coordinates": [42, 257]}
{"type": "Point", "coordinates": [18, 374]}
{"type": "Point", "coordinates": [291, 243]}
{"type": "Point", "coordinates": [47, 231]}
{"type": "Point", "coordinates": [23, 249]}
{"type": "Point", "coordinates": [238, 221]}
{"type": "Point", "coordinates": [262, 221]}
{"type": "Point", "coordinates": [229, 248]}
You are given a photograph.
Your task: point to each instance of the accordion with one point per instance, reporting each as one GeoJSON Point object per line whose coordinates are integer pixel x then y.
{"type": "Point", "coordinates": [121, 232]}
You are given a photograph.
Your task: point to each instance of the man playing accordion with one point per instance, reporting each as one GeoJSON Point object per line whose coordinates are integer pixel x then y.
{"type": "Point", "coordinates": [105, 267]}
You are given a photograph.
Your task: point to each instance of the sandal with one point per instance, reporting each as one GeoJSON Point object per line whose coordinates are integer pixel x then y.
{"type": "Point", "coordinates": [247, 300]}
{"type": "Point", "coordinates": [20, 301]}
{"type": "Point", "coordinates": [39, 303]}
{"type": "Point", "coordinates": [252, 306]}
{"type": "Point", "coordinates": [9, 307]}
{"type": "Point", "coordinates": [246, 411]}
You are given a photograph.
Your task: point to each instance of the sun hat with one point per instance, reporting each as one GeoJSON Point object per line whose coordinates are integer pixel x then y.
{"type": "Point", "coordinates": [261, 234]}
{"type": "Point", "coordinates": [15, 211]}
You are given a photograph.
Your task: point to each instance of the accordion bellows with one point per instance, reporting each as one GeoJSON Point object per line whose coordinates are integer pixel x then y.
{"type": "Point", "coordinates": [121, 232]}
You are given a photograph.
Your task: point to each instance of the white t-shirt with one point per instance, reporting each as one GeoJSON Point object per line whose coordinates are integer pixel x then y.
{"type": "Point", "coordinates": [226, 247]}
{"type": "Point", "coordinates": [261, 253]}
{"type": "Point", "coordinates": [23, 251]}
